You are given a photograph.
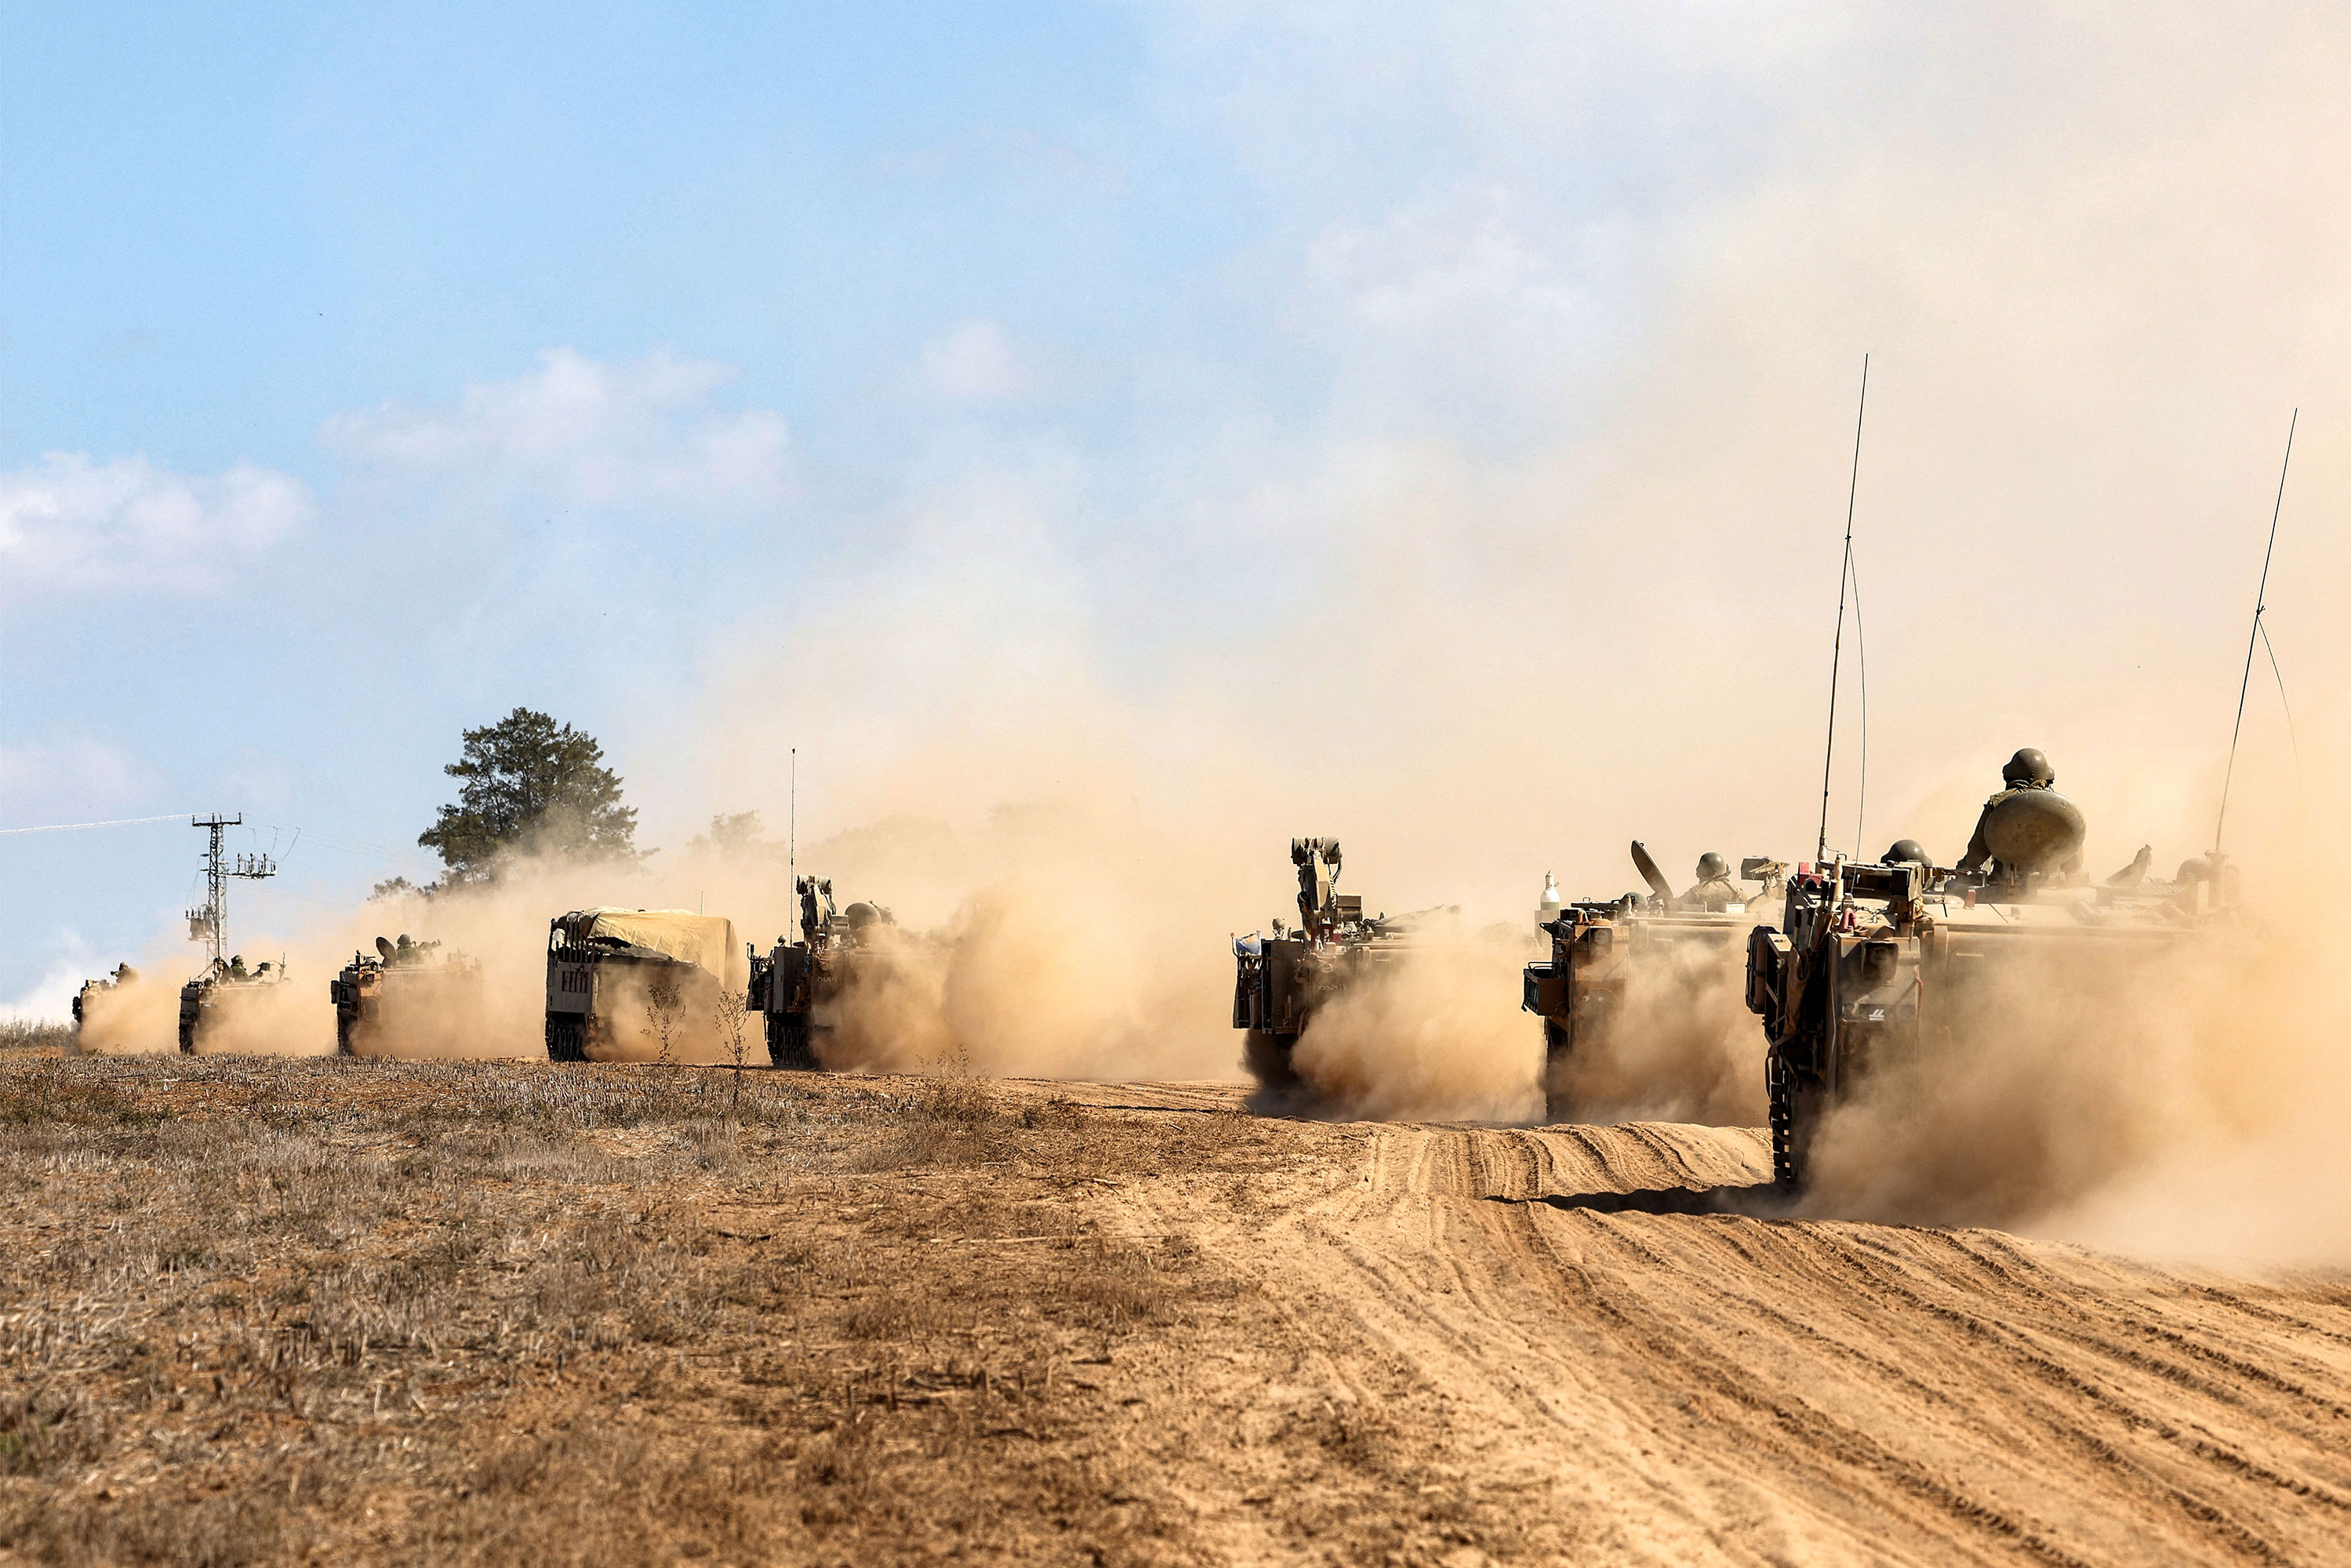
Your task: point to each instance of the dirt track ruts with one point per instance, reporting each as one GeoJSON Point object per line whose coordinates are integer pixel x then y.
{"type": "Point", "coordinates": [1712, 1386]}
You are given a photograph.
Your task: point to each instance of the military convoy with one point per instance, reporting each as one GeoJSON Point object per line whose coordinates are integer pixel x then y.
{"type": "Point", "coordinates": [1280, 981]}
{"type": "Point", "coordinates": [1849, 965]}
{"type": "Point", "coordinates": [624, 979]}
{"type": "Point", "coordinates": [1666, 949]}
{"type": "Point", "coordinates": [404, 989]}
{"type": "Point", "coordinates": [797, 987]}
{"type": "Point", "coordinates": [1874, 963]}
{"type": "Point", "coordinates": [223, 995]}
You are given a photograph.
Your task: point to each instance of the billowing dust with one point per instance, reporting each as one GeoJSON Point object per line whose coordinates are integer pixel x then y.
{"type": "Point", "coordinates": [2178, 1100]}
{"type": "Point", "coordinates": [1683, 1046]}
{"type": "Point", "coordinates": [1435, 1032]}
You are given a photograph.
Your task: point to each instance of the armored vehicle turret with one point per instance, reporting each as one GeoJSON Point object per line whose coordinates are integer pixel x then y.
{"type": "Point", "coordinates": [1681, 947]}
{"type": "Point", "coordinates": [404, 991]}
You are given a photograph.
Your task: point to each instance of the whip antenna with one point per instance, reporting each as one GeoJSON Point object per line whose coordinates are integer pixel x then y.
{"type": "Point", "coordinates": [2256, 638]}
{"type": "Point", "coordinates": [1845, 572]}
{"type": "Point", "coordinates": [792, 828]}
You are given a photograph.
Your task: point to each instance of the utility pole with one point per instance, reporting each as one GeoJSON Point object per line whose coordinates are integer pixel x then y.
{"type": "Point", "coordinates": [205, 923]}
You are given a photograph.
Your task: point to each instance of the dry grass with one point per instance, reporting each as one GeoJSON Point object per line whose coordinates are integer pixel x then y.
{"type": "Point", "coordinates": [17, 1034]}
{"type": "Point", "coordinates": [259, 1311]}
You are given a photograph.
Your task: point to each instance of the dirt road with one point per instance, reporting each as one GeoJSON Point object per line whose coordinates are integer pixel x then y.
{"type": "Point", "coordinates": [387, 1312]}
{"type": "Point", "coordinates": [1692, 1387]}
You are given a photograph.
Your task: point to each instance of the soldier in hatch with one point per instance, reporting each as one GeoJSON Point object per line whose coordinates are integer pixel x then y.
{"type": "Point", "coordinates": [1714, 891]}
{"type": "Point", "coordinates": [1910, 851]}
{"type": "Point", "coordinates": [2027, 771]}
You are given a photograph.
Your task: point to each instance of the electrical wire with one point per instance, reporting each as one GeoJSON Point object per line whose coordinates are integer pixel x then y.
{"type": "Point", "coordinates": [117, 822]}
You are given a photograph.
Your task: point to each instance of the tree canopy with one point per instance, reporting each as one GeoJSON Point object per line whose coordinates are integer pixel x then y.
{"type": "Point", "coordinates": [531, 785]}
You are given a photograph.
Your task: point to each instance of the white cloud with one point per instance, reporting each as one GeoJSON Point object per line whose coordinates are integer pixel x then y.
{"type": "Point", "coordinates": [975, 362]}
{"type": "Point", "coordinates": [68, 523]}
{"type": "Point", "coordinates": [645, 431]}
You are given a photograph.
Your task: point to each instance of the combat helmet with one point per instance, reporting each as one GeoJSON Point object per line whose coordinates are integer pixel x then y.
{"type": "Point", "coordinates": [1907, 850]}
{"type": "Point", "coordinates": [2029, 769]}
{"type": "Point", "coordinates": [1712, 867]}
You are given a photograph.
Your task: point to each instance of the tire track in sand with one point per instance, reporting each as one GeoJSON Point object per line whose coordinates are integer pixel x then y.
{"type": "Point", "coordinates": [1711, 1387]}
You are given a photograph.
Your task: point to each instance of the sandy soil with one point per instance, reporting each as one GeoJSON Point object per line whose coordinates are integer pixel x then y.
{"type": "Point", "coordinates": [883, 1320]}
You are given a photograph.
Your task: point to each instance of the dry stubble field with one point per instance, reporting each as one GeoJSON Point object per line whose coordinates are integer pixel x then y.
{"type": "Point", "coordinates": [263, 1310]}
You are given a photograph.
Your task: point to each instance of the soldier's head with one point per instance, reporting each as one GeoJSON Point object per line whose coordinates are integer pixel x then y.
{"type": "Point", "coordinates": [1906, 851]}
{"type": "Point", "coordinates": [2028, 770]}
{"type": "Point", "coordinates": [1712, 867]}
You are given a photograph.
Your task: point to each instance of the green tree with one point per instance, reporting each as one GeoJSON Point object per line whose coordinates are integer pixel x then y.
{"type": "Point", "coordinates": [533, 786]}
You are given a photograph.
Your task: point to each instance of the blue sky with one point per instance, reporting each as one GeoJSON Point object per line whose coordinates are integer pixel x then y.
{"type": "Point", "coordinates": [365, 373]}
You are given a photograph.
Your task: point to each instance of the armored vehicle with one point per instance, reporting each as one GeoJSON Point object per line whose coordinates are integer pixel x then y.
{"type": "Point", "coordinates": [404, 984]}
{"type": "Point", "coordinates": [797, 987]}
{"type": "Point", "coordinates": [93, 993]}
{"type": "Point", "coordinates": [610, 970]}
{"type": "Point", "coordinates": [1605, 954]}
{"type": "Point", "coordinates": [93, 1000]}
{"type": "Point", "coordinates": [1281, 980]}
{"type": "Point", "coordinates": [1875, 963]}
{"type": "Point", "coordinates": [210, 1004]}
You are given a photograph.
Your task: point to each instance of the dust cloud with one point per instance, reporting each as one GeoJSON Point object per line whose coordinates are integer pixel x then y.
{"type": "Point", "coordinates": [1682, 1047]}
{"type": "Point", "coordinates": [131, 1019]}
{"type": "Point", "coordinates": [1060, 938]}
{"type": "Point", "coordinates": [1434, 1034]}
{"type": "Point", "coordinates": [2184, 1102]}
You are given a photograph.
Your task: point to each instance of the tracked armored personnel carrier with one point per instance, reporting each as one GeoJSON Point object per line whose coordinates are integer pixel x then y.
{"type": "Point", "coordinates": [1281, 980]}
{"type": "Point", "coordinates": [92, 1001]}
{"type": "Point", "coordinates": [1871, 963]}
{"type": "Point", "coordinates": [797, 987]}
{"type": "Point", "coordinates": [610, 970]}
{"type": "Point", "coordinates": [1678, 947]}
{"type": "Point", "coordinates": [212, 1004]}
{"type": "Point", "coordinates": [405, 986]}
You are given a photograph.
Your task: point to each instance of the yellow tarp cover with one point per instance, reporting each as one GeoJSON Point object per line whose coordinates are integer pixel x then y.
{"type": "Point", "coordinates": [706, 940]}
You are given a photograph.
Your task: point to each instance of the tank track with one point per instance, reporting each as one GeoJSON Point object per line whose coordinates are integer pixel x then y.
{"type": "Point", "coordinates": [566, 1042]}
{"type": "Point", "coordinates": [788, 1042]}
{"type": "Point", "coordinates": [1558, 1105]}
{"type": "Point", "coordinates": [1783, 1121]}
{"type": "Point", "coordinates": [1266, 1054]}
{"type": "Point", "coordinates": [1789, 1086]}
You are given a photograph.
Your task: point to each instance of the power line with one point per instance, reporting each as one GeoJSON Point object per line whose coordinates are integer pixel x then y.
{"type": "Point", "coordinates": [117, 822]}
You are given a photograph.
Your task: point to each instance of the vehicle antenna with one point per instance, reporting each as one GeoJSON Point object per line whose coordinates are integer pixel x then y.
{"type": "Point", "coordinates": [1845, 572]}
{"type": "Point", "coordinates": [792, 828]}
{"type": "Point", "coordinates": [2260, 597]}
